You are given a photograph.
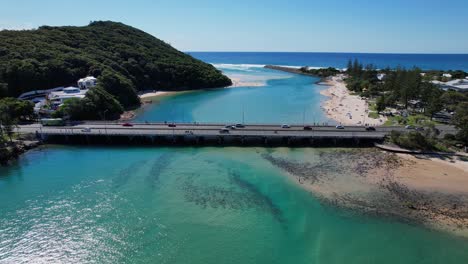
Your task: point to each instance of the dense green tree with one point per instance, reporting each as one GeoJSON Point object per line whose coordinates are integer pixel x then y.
{"type": "Point", "coordinates": [380, 103]}
{"type": "Point", "coordinates": [460, 120]}
{"type": "Point", "coordinates": [97, 104]}
{"type": "Point", "coordinates": [126, 59]}
{"type": "Point", "coordinates": [120, 87]}
{"type": "Point", "coordinates": [451, 99]}
{"type": "Point", "coordinates": [18, 109]}
{"type": "Point", "coordinates": [7, 121]}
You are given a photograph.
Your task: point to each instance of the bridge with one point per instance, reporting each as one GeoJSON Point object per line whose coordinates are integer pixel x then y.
{"type": "Point", "coordinates": [212, 134]}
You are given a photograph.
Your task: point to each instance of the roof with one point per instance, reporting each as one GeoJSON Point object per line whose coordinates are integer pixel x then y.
{"type": "Point", "coordinates": [458, 84]}
{"type": "Point", "coordinates": [87, 78]}
{"type": "Point", "coordinates": [63, 94]}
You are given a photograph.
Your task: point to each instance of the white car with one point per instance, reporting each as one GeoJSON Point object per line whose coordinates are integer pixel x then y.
{"type": "Point", "coordinates": [86, 129]}
{"type": "Point", "coordinates": [285, 126]}
{"type": "Point", "coordinates": [339, 127]}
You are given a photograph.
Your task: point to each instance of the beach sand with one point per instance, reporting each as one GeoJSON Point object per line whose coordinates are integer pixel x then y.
{"type": "Point", "coordinates": [239, 82]}
{"type": "Point", "coordinates": [152, 94]}
{"type": "Point", "coordinates": [416, 189]}
{"type": "Point", "coordinates": [345, 108]}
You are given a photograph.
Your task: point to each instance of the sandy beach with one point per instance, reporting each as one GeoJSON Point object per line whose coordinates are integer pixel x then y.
{"type": "Point", "coordinates": [151, 94]}
{"type": "Point", "coordinates": [239, 82]}
{"type": "Point", "coordinates": [345, 108]}
{"type": "Point", "coordinates": [418, 189]}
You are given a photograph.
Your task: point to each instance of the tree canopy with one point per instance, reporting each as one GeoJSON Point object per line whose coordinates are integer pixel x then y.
{"type": "Point", "coordinates": [124, 58]}
{"type": "Point", "coordinates": [97, 104]}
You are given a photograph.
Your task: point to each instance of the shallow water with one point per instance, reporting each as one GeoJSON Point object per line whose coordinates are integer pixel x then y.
{"type": "Point", "coordinates": [284, 98]}
{"type": "Point", "coordinates": [190, 205]}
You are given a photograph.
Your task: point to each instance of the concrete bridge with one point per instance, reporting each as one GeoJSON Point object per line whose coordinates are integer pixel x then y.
{"type": "Point", "coordinates": [212, 134]}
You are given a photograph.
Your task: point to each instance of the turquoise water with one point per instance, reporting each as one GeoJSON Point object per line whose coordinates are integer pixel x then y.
{"type": "Point", "coordinates": [198, 205]}
{"type": "Point", "coordinates": [282, 98]}
{"type": "Point", "coordinates": [189, 205]}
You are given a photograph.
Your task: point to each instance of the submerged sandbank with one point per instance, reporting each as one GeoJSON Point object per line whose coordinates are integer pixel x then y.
{"type": "Point", "coordinates": [414, 189]}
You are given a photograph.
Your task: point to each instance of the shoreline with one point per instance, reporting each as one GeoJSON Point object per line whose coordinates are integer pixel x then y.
{"type": "Point", "coordinates": [146, 96]}
{"type": "Point", "coordinates": [345, 108]}
{"type": "Point", "coordinates": [341, 106]}
{"type": "Point", "coordinates": [416, 189]}
{"type": "Point", "coordinates": [13, 151]}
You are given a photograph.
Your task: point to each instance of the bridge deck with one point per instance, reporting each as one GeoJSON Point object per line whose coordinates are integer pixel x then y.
{"type": "Point", "coordinates": [267, 131]}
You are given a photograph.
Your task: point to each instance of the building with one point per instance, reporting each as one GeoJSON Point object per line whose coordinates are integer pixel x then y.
{"type": "Point", "coordinates": [381, 76]}
{"type": "Point", "coordinates": [57, 98]}
{"type": "Point", "coordinates": [442, 117]}
{"type": "Point", "coordinates": [447, 75]}
{"type": "Point", "coordinates": [87, 82]}
{"type": "Point", "coordinates": [415, 104]}
{"type": "Point", "coordinates": [460, 85]}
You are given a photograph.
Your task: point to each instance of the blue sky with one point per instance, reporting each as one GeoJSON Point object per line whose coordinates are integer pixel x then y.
{"type": "Point", "coordinates": [389, 26]}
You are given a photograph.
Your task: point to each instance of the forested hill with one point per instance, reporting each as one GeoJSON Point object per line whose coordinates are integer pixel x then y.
{"type": "Point", "coordinates": [124, 58]}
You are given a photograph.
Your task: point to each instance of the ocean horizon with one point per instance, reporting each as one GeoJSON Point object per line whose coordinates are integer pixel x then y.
{"type": "Point", "coordinates": [337, 59]}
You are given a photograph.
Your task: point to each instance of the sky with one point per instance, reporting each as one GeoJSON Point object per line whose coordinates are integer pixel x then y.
{"type": "Point", "coordinates": [368, 26]}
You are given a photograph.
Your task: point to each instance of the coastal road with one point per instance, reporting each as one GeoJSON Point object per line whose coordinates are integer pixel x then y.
{"type": "Point", "coordinates": [186, 129]}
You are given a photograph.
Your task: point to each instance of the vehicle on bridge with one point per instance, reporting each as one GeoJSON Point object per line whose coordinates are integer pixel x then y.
{"type": "Point", "coordinates": [307, 128]}
{"type": "Point", "coordinates": [127, 125]}
{"type": "Point", "coordinates": [370, 128]}
{"type": "Point", "coordinates": [52, 122]}
{"type": "Point", "coordinates": [339, 127]}
{"type": "Point", "coordinates": [285, 126]}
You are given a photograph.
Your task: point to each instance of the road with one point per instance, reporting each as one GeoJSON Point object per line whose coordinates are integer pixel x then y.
{"type": "Point", "coordinates": [186, 129]}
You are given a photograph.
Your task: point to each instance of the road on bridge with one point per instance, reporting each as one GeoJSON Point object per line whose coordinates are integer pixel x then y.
{"type": "Point", "coordinates": [187, 129]}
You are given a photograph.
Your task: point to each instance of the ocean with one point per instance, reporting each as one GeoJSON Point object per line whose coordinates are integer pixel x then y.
{"type": "Point", "coordinates": [338, 60]}
{"type": "Point", "coordinates": [105, 204]}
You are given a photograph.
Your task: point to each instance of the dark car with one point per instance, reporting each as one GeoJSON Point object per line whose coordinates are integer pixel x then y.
{"type": "Point", "coordinates": [127, 125]}
{"type": "Point", "coordinates": [224, 130]}
{"type": "Point", "coordinates": [240, 125]}
{"type": "Point", "coordinates": [307, 128]}
{"type": "Point", "coordinates": [370, 128]}
{"type": "Point", "coordinates": [171, 125]}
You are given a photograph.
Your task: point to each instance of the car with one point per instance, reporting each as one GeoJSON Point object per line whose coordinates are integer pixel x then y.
{"type": "Point", "coordinates": [86, 129]}
{"type": "Point", "coordinates": [409, 127]}
{"type": "Point", "coordinates": [240, 125]}
{"type": "Point", "coordinates": [285, 126]}
{"type": "Point", "coordinates": [224, 130]}
{"type": "Point", "coordinates": [339, 127]}
{"type": "Point", "coordinates": [127, 125]}
{"type": "Point", "coordinates": [171, 125]}
{"type": "Point", "coordinates": [369, 128]}
{"type": "Point", "coordinates": [232, 127]}
{"type": "Point", "coordinates": [420, 128]}
{"type": "Point", "coordinates": [307, 128]}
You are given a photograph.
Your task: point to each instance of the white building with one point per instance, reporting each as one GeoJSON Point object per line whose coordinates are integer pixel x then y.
{"type": "Point", "coordinates": [460, 85]}
{"type": "Point", "coordinates": [87, 82]}
{"type": "Point", "coordinates": [447, 75]}
{"type": "Point", "coordinates": [58, 97]}
{"type": "Point", "coordinates": [381, 76]}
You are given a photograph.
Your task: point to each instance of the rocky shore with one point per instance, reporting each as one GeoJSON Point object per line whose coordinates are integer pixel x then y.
{"type": "Point", "coordinates": [370, 181]}
{"type": "Point", "coordinates": [12, 150]}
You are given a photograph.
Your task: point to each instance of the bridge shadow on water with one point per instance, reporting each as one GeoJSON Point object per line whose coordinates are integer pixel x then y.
{"type": "Point", "coordinates": [213, 141]}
